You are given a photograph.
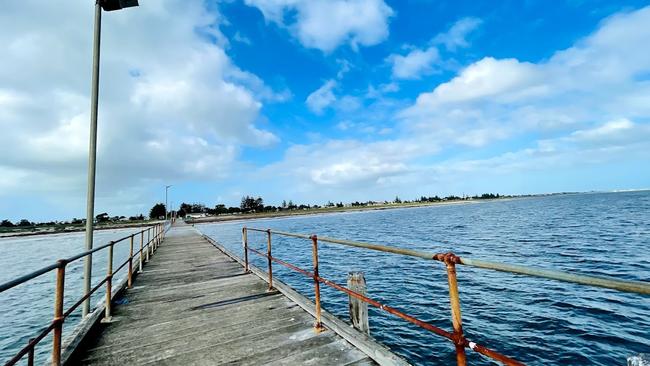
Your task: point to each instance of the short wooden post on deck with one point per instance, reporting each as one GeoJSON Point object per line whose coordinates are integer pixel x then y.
{"type": "Point", "coordinates": [358, 308]}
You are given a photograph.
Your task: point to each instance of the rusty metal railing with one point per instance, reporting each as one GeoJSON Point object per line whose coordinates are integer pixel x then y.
{"type": "Point", "coordinates": [461, 343]}
{"type": "Point", "coordinates": [155, 235]}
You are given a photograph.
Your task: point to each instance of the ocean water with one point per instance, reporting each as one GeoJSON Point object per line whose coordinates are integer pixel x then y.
{"type": "Point", "coordinates": [540, 322]}
{"type": "Point", "coordinates": [537, 321]}
{"type": "Point", "coordinates": [27, 309]}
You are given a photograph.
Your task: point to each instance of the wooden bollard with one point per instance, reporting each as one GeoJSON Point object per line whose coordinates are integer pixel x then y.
{"type": "Point", "coordinates": [358, 308]}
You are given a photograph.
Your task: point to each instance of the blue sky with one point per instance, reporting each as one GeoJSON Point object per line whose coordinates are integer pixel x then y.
{"type": "Point", "coordinates": [322, 100]}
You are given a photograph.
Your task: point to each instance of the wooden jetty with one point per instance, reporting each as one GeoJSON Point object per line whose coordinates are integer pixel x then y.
{"type": "Point", "coordinates": [194, 305]}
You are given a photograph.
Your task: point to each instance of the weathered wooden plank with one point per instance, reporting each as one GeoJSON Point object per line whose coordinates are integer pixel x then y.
{"type": "Point", "coordinates": [368, 345]}
{"type": "Point", "coordinates": [194, 305]}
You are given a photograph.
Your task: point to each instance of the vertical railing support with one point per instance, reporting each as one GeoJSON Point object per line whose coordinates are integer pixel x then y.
{"type": "Point", "coordinates": [454, 300]}
{"type": "Point", "coordinates": [109, 283]}
{"type": "Point", "coordinates": [318, 326]}
{"type": "Point", "coordinates": [148, 243]}
{"type": "Point", "coordinates": [58, 313]}
{"type": "Point", "coordinates": [358, 308]}
{"type": "Point", "coordinates": [141, 249]}
{"type": "Point", "coordinates": [30, 354]}
{"type": "Point", "coordinates": [269, 256]}
{"type": "Point", "coordinates": [244, 239]}
{"type": "Point", "coordinates": [130, 280]}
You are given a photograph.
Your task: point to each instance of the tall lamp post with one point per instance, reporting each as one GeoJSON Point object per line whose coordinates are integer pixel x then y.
{"type": "Point", "coordinates": [166, 207]}
{"type": "Point", "coordinates": [107, 5]}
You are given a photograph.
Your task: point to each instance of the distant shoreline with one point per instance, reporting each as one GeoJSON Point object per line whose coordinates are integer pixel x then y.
{"type": "Point", "coordinates": [390, 206]}
{"type": "Point", "coordinates": [326, 211]}
{"type": "Point", "coordinates": [67, 230]}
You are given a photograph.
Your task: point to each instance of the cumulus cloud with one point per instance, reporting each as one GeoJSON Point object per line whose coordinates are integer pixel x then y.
{"type": "Point", "coordinates": [172, 103]}
{"type": "Point", "coordinates": [322, 97]}
{"type": "Point", "coordinates": [419, 62]}
{"type": "Point", "coordinates": [595, 79]}
{"type": "Point", "coordinates": [326, 24]}
{"type": "Point", "coordinates": [585, 104]}
{"type": "Point", "coordinates": [350, 163]}
{"type": "Point", "coordinates": [456, 36]}
{"type": "Point", "coordinates": [414, 64]}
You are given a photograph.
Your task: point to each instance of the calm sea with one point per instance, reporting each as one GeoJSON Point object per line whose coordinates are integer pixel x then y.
{"type": "Point", "coordinates": [540, 322]}
{"type": "Point", "coordinates": [27, 309]}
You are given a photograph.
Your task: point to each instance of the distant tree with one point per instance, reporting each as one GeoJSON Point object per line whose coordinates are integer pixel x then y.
{"type": "Point", "coordinates": [6, 223]}
{"type": "Point", "coordinates": [251, 204]}
{"type": "Point", "coordinates": [397, 200]}
{"type": "Point", "coordinates": [340, 204]}
{"type": "Point", "coordinates": [198, 208]}
{"type": "Point", "coordinates": [220, 209]}
{"type": "Point", "coordinates": [291, 205]}
{"type": "Point", "coordinates": [25, 222]}
{"type": "Point", "coordinates": [284, 204]}
{"type": "Point", "coordinates": [102, 217]}
{"type": "Point", "coordinates": [181, 213]}
{"type": "Point", "coordinates": [158, 210]}
{"type": "Point", "coordinates": [185, 208]}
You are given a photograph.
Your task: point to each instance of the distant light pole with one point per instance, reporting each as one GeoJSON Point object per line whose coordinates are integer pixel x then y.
{"type": "Point", "coordinates": [107, 5]}
{"type": "Point", "coordinates": [166, 207]}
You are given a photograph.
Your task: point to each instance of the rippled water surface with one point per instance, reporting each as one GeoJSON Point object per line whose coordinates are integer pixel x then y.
{"type": "Point", "coordinates": [540, 322]}
{"type": "Point", "coordinates": [27, 309]}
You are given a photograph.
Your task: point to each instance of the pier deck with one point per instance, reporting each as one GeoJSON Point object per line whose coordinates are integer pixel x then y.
{"type": "Point", "coordinates": [193, 305]}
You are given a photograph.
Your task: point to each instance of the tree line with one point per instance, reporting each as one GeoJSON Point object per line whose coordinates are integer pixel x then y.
{"type": "Point", "coordinates": [248, 204]}
{"type": "Point", "coordinates": [252, 204]}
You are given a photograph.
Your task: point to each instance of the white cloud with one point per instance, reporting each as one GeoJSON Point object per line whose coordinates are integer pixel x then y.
{"type": "Point", "coordinates": [414, 64]}
{"type": "Point", "coordinates": [241, 38]}
{"type": "Point", "coordinates": [180, 111]}
{"type": "Point", "coordinates": [326, 24]}
{"type": "Point", "coordinates": [507, 79]}
{"type": "Point", "coordinates": [456, 36]}
{"type": "Point", "coordinates": [347, 163]}
{"type": "Point", "coordinates": [594, 80]}
{"type": "Point", "coordinates": [322, 97]}
{"type": "Point", "coordinates": [578, 110]}
{"type": "Point", "coordinates": [421, 61]}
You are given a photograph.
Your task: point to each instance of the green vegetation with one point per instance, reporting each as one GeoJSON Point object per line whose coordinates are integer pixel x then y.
{"type": "Point", "coordinates": [157, 211]}
{"type": "Point", "coordinates": [249, 205]}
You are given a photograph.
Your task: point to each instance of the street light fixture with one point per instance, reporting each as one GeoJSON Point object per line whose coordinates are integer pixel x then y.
{"type": "Point", "coordinates": [166, 207]}
{"type": "Point", "coordinates": [107, 5]}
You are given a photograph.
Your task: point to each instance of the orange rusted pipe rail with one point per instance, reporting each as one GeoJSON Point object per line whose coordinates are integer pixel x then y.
{"type": "Point", "coordinates": [56, 326]}
{"type": "Point", "coordinates": [640, 287]}
{"type": "Point", "coordinates": [430, 327]}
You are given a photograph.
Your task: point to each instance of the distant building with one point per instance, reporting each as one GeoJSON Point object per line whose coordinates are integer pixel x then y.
{"type": "Point", "coordinates": [195, 215]}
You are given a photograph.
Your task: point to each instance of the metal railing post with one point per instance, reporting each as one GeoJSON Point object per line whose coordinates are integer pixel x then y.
{"type": "Point", "coordinates": [141, 249]}
{"type": "Point", "coordinates": [58, 313]}
{"type": "Point", "coordinates": [109, 282]}
{"type": "Point", "coordinates": [244, 238]}
{"type": "Point", "coordinates": [30, 354]}
{"type": "Point", "coordinates": [270, 262]}
{"type": "Point", "coordinates": [130, 283]}
{"type": "Point", "coordinates": [318, 326]}
{"type": "Point", "coordinates": [454, 300]}
{"type": "Point", "coordinates": [148, 243]}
